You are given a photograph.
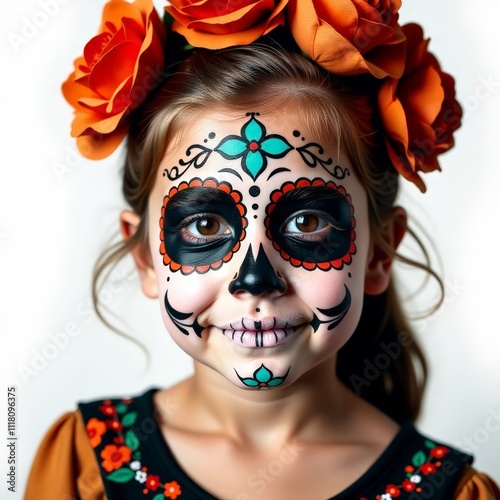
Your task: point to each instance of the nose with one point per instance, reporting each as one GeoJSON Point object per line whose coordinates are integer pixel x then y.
{"type": "Point", "coordinates": [256, 276]}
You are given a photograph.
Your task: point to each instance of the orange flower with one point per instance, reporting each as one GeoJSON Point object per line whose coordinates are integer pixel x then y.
{"type": "Point", "coordinates": [172, 490]}
{"type": "Point", "coordinates": [95, 429]}
{"type": "Point", "coordinates": [118, 68]}
{"type": "Point", "coordinates": [350, 37]}
{"type": "Point", "coordinates": [216, 25]}
{"type": "Point", "coordinates": [419, 112]}
{"type": "Point", "coordinates": [115, 456]}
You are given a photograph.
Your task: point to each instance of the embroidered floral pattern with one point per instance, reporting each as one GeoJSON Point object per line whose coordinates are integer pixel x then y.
{"type": "Point", "coordinates": [422, 464]}
{"type": "Point", "coordinates": [123, 459]}
{"type": "Point", "coordinates": [95, 429]}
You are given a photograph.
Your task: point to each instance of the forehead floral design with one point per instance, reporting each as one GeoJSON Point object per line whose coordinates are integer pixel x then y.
{"type": "Point", "coordinates": [253, 148]}
{"type": "Point", "coordinates": [361, 39]}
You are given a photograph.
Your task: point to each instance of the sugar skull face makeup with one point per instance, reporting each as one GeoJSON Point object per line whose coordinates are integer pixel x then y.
{"type": "Point", "coordinates": [259, 238]}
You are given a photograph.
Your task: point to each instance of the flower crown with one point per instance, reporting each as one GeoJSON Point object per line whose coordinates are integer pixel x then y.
{"type": "Point", "coordinates": [128, 58]}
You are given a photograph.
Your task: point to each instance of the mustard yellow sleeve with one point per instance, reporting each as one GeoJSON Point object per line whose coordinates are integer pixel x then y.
{"type": "Point", "coordinates": [65, 466]}
{"type": "Point", "coordinates": [476, 486]}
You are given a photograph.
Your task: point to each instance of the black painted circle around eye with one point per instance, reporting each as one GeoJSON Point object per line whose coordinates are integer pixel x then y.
{"type": "Point", "coordinates": [332, 247]}
{"type": "Point", "coordinates": [188, 203]}
{"type": "Point", "coordinates": [318, 198]}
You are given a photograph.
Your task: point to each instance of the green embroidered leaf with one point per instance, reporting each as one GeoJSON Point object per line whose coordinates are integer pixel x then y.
{"type": "Point", "coordinates": [429, 444]}
{"type": "Point", "coordinates": [275, 146]}
{"type": "Point", "coordinates": [137, 455]}
{"type": "Point", "coordinates": [129, 419]}
{"type": "Point", "coordinates": [231, 147]}
{"type": "Point", "coordinates": [160, 496]}
{"type": "Point", "coordinates": [122, 475]}
{"type": "Point", "coordinates": [121, 408]}
{"type": "Point", "coordinates": [418, 459]}
{"type": "Point", "coordinates": [253, 130]}
{"type": "Point", "coordinates": [131, 440]}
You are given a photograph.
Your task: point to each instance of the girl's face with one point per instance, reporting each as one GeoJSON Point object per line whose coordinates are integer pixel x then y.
{"type": "Point", "coordinates": [259, 239]}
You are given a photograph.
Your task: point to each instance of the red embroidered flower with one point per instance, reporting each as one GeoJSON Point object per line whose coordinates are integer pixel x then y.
{"type": "Point", "coordinates": [393, 490]}
{"type": "Point", "coordinates": [303, 182]}
{"type": "Point", "coordinates": [118, 68]}
{"type": "Point", "coordinates": [95, 429]}
{"type": "Point", "coordinates": [152, 482]}
{"type": "Point", "coordinates": [197, 182]}
{"type": "Point", "coordinates": [114, 425]}
{"type": "Point", "coordinates": [419, 111]}
{"type": "Point", "coordinates": [408, 485]}
{"type": "Point", "coordinates": [439, 451]}
{"type": "Point", "coordinates": [172, 490]}
{"type": "Point", "coordinates": [349, 37]}
{"type": "Point", "coordinates": [107, 408]}
{"type": "Point", "coordinates": [114, 457]}
{"type": "Point", "coordinates": [428, 468]}
{"type": "Point", "coordinates": [219, 24]}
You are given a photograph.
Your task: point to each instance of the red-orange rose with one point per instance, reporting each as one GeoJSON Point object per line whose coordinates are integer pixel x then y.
{"type": "Point", "coordinates": [350, 37]}
{"type": "Point", "coordinates": [419, 111]}
{"type": "Point", "coordinates": [118, 67]}
{"type": "Point", "coordinates": [219, 24]}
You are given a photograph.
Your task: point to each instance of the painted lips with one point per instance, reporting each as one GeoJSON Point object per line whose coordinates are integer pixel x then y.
{"type": "Point", "coordinates": [266, 332]}
{"type": "Point", "coordinates": [259, 338]}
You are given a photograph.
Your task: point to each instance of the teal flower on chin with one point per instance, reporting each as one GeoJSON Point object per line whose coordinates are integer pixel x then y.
{"type": "Point", "coordinates": [263, 377]}
{"type": "Point", "coordinates": [253, 147]}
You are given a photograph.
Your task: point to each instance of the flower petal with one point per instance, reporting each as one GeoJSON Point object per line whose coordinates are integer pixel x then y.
{"type": "Point", "coordinates": [231, 147]}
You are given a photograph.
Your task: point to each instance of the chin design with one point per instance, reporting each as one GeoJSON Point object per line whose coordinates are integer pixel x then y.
{"type": "Point", "coordinates": [262, 378]}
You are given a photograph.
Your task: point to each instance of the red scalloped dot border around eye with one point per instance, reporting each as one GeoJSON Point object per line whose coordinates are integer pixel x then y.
{"type": "Point", "coordinates": [311, 266]}
{"type": "Point", "coordinates": [197, 182]}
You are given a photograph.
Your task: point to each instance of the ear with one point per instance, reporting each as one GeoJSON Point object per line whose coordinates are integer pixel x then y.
{"type": "Point", "coordinates": [129, 223]}
{"type": "Point", "coordinates": [382, 251]}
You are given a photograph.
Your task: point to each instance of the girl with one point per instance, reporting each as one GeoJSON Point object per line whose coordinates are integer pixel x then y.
{"type": "Point", "coordinates": [264, 145]}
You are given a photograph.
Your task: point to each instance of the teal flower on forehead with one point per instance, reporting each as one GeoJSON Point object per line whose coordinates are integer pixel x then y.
{"type": "Point", "coordinates": [253, 147]}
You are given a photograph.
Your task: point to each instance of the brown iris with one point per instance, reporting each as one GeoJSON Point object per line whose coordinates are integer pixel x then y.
{"type": "Point", "coordinates": [208, 226]}
{"type": "Point", "coordinates": [307, 223]}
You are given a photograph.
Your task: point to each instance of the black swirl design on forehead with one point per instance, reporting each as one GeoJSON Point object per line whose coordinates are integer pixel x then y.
{"type": "Point", "coordinates": [253, 147]}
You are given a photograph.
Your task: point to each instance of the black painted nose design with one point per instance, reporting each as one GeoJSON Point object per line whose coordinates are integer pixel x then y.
{"type": "Point", "coordinates": [256, 276]}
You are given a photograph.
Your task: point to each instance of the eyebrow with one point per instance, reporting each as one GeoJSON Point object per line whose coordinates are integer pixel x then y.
{"type": "Point", "coordinates": [197, 195]}
{"type": "Point", "coordinates": [311, 193]}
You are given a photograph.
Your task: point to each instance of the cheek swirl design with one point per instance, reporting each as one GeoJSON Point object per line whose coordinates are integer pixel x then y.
{"type": "Point", "coordinates": [263, 378]}
{"type": "Point", "coordinates": [178, 317]}
{"type": "Point", "coordinates": [335, 314]}
{"type": "Point", "coordinates": [322, 201]}
{"type": "Point", "coordinates": [210, 206]}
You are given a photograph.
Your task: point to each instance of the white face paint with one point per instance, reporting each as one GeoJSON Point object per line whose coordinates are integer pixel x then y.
{"type": "Point", "coordinates": [260, 256]}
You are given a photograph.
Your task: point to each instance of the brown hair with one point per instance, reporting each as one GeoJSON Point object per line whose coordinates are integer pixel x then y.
{"type": "Point", "coordinates": [336, 110]}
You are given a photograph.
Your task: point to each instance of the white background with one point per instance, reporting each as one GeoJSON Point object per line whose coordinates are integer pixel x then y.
{"type": "Point", "coordinates": [58, 210]}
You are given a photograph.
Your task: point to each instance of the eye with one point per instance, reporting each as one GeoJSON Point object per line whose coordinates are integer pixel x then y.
{"type": "Point", "coordinates": [307, 225]}
{"type": "Point", "coordinates": [204, 228]}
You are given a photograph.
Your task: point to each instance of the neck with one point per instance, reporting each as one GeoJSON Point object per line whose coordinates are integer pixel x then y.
{"type": "Point", "coordinates": [312, 405]}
